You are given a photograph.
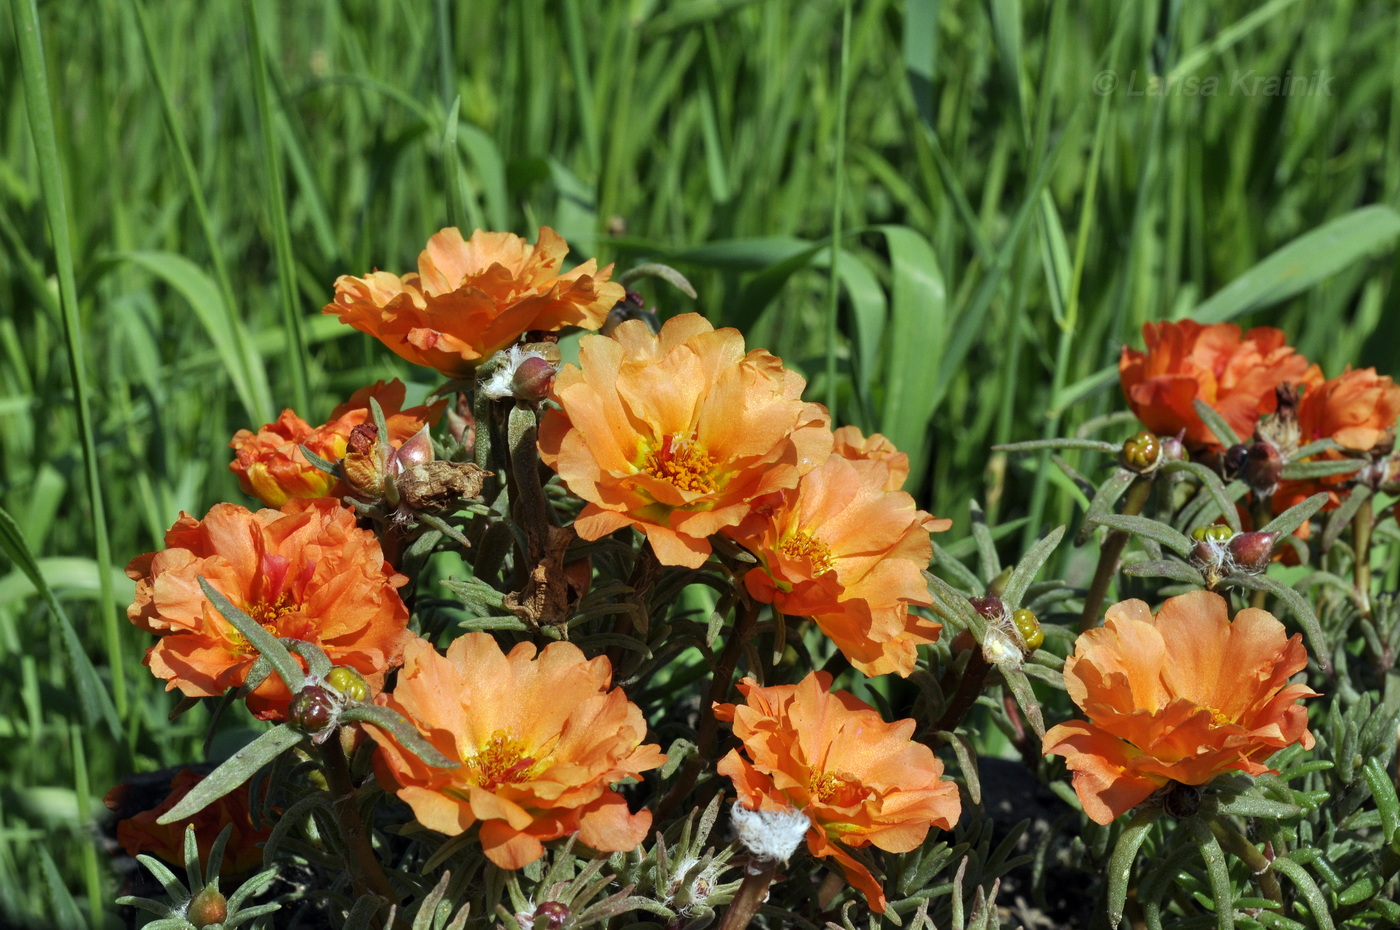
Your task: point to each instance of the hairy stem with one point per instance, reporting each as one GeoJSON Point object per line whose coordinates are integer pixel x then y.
{"type": "Point", "coordinates": [367, 874]}
{"type": "Point", "coordinates": [1241, 848]}
{"type": "Point", "coordinates": [1361, 543]}
{"type": "Point", "coordinates": [970, 685]}
{"type": "Point", "coordinates": [750, 896]}
{"type": "Point", "coordinates": [1263, 513]}
{"type": "Point", "coordinates": [1113, 544]}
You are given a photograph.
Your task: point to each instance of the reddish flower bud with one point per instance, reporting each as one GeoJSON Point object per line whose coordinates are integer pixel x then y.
{"type": "Point", "coordinates": [1262, 467]}
{"type": "Point", "coordinates": [1234, 460]}
{"type": "Point", "coordinates": [1252, 551]}
{"type": "Point", "coordinates": [415, 451]}
{"type": "Point", "coordinates": [990, 606]}
{"type": "Point", "coordinates": [556, 911]}
{"type": "Point", "coordinates": [534, 376]}
{"type": "Point", "coordinates": [313, 709]}
{"type": "Point", "coordinates": [208, 907]}
{"type": "Point", "coordinates": [362, 438]}
{"type": "Point", "coordinates": [1174, 448]}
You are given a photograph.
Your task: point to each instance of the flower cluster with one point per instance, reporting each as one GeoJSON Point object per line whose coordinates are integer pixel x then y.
{"type": "Point", "coordinates": [684, 436]}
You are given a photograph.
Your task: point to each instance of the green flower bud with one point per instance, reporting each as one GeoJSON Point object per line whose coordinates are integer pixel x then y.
{"type": "Point", "coordinates": [1142, 453]}
{"type": "Point", "coordinates": [348, 682]}
{"type": "Point", "coordinates": [209, 907]}
{"type": "Point", "coordinates": [1029, 627]}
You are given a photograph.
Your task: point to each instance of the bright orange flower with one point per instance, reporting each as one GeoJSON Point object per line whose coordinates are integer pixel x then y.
{"type": "Point", "coordinates": [1357, 410]}
{"type": "Point", "coordinates": [1183, 696]}
{"type": "Point", "coordinates": [540, 739]}
{"type": "Point", "coordinates": [1233, 374]}
{"type": "Point", "coordinates": [306, 572]}
{"type": "Point", "coordinates": [140, 833]}
{"type": "Point", "coordinates": [472, 298]}
{"type": "Point", "coordinates": [678, 434]}
{"type": "Point", "coordinates": [270, 466]}
{"type": "Point", "coordinates": [849, 552]}
{"type": "Point", "coordinates": [860, 780]}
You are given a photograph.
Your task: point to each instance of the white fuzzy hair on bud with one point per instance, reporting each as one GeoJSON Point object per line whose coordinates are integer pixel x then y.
{"type": "Point", "coordinates": [501, 384]}
{"type": "Point", "coordinates": [771, 836]}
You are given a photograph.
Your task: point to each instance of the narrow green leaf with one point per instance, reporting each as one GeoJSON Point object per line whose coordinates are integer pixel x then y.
{"type": "Point", "coordinates": [1301, 471]}
{"type": "Point", "coordinates": [1165, 568]}
{"type": "Point", "coordinates": [1108, 493]}
{"type": "Point", "coordinates": [1037, 445]}
{"type": "Point", "coordinates": [1302, 263]}
{"type": "Point", "coordinates": [269, 646]}
{"type": "Point", "coordinates": [1151, 529]}
{"type": "Point", "coordinates": [234, 771]}
{"type": "Point", "coordinates": [1120, 864]}
{"type": "Point", "coordinates": [1341, 518]}
{"type": "Point", "coordinates": [1020, 686]}
{"type": "Point", "coordinates": [1029, 566]}
{"type": "Point", "coordinates": [1383, 792]}
{"type": "Point", "coordinates": [1222, 895]}
{"type": "Point", "coordinates": [1296, 516]}
{"type": "Point", "coordinates": [1248, 805]}
{"type": "Point", "coordinates": [1215, 423]}
{"type": "Point", "coordinates": [401, 730]}
{"type": "Point", "coordinates": [1211, 482]}
{"type": "Point", "coordinates": [92, 693]}
{"type": "Point", "coordinates": [1317, 901]}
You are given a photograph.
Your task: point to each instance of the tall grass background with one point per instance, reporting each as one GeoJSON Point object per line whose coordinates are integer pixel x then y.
{"type": "Point", "coordinates": [927, 207]}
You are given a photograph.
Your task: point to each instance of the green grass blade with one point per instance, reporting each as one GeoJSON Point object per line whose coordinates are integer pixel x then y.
{"type": "Point", "coordinates": [34, 76]}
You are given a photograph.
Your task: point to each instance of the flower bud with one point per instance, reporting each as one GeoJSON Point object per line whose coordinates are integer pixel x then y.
{"type": "Point", "coordinates": [1142, 453]}
{"type": "Point", "coordinates": [990, 606]}
{"type": "Point", "coordinates": [209, 907]}
{"type": "Point", "coordinates": [533, 378]}
{"type": "Point", "coordinates": [1262, 467]}
{"type": "Point", "coordinates": [1234, 460]}
{"type": "Point", "coordinates": [1252, 551]}
{"type": "Point", "coordinates": [1214, 532]}
{"type": "Point", "coordinates": [415, 450]}
{"type": "Point", "coordinates": [555, 911]}
{"type": "Point", "coordinates": [1029, 627]}
{"type": "Point", "coordinates": [348, 682]}
{"type": "Point", "coordinates": [313, 710]}
{"type": "Point", "coordinates": [1181, 801]}
{"type": "Point", "coordinates": [1174, 448]}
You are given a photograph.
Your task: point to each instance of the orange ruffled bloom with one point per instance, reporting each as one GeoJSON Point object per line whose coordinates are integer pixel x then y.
{"type": "Point", "coordinates": [472, 298]}
{"type": "Point", "coordinates": [848, 550]}
{"type": "Point", "coordinates": [861, 781]}
{"type": "Point", "coordinates": [678, 434]}
{"type": "Point", "coordinates": [270, 465]}
{"type": "Point", "coordinates": [1233, 374]}
{"type": "Point", "coordinates": [1183, 696]}
{"type": "Point", "coordinates": [141, 834]}
{"type": "Point", "coordinates": [1357, 409]}
{"type": "Point", "coordinates": [306, 572]}
{"type": "Point", "coordinates": [540, 739]}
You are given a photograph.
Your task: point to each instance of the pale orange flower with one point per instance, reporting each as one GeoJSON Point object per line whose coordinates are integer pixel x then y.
{"type": "Point", "coordinates": [1234, 374]}
{"type": "Point", "coordinates": [472, 298]}
{"type": "Point", "coordinates": [540, 738]}
{"type": "Point", "coordinates": [1183, 696]}
{"type": "Point", "coordinates": [305, 572]}
{"type": "Point", "coordinates": [861, 781]}
{"type": "Point", "coordinates": [848, 551]}
{"type": "Point", "coordinates": [678, 434]}
{"type": "Point", "coordinates": [270, 465]}
{"type": "Point", "coordinates": [139, 833]}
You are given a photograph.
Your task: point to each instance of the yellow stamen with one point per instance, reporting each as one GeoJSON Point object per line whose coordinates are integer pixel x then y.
{"type": "Point", "coordinates": [502, 760]}
{"type": "Point", "coordinates": [803, 545]}
{"type": "Point", "coordinates": [836, 788]}
{"type": "Point", "coordinates": [681, 463]}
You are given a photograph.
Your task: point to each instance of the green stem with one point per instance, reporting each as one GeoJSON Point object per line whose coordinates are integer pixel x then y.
{"type": "Point", "coordinates": [707, 733]}
{"type": "Point", "coordinates": [1242, 849]}
{"type": "Point", "coordinates": [1361, 544]}
{"type": "Point", "coordinates": [750, 896]}
{"type": "Point", "coordinates": [1113, 544]}
{"type": "Point", "coordinates": [974, 678]}
{"type": "Point", "coordinates": [367, 874]}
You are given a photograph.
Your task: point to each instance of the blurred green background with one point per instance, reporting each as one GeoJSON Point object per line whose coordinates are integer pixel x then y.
{"type": "Point", "coordinates": [1014, 188]}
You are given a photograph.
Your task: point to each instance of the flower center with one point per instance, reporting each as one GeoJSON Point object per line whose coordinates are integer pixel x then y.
{"type": "Point", "coordinates": [682, 463]}
{"type": "Point", "coordinates": [267, 614]}
{"type": "Point", "coordinates": [836, 788]}
{"type": "Point", "coordinates": [501, 760]}
{"type": "Point", "coordinates": [803, 545]}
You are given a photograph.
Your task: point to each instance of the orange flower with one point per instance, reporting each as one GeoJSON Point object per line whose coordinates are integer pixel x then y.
{"type": "Point", "coordinates": [141, 834]}
{"type": "Point", "coordinates": [1183, 696]}
{"type": "Point", "coordinates": [1185, 361]}
{"type": "Point", "coordinates": [270, 466]}
{"type": "Point", "coordinates": [475, 297]}
{"type": "Point", "coordinates": [848, 551]}
{"type": "Point", "coordinates": [677, 434]}
{"type": "Point", "coordinates": [861, 781]}
{"type": "Point", "coordinates": [306, 572]}
{"type": "Point", "coordinates": [1357, 410]}
{"type": "Point", "coordinates": [540, 739]}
